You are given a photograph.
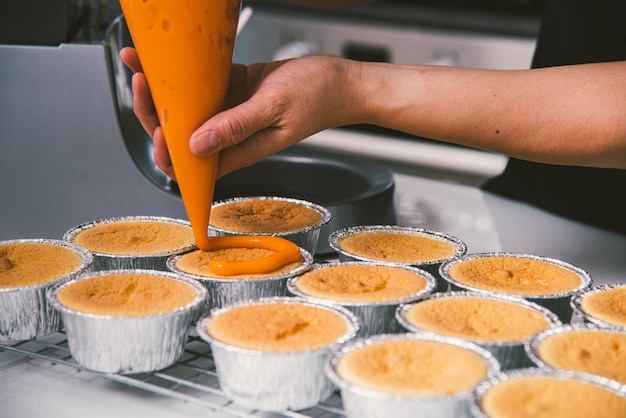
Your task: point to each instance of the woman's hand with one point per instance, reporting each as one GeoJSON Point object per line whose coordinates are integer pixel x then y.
{"type": "Point", "coordinates": [269, 108]}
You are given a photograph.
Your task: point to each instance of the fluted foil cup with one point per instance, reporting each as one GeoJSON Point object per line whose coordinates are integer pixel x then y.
{"type": "Point", "coordinates": [532, 348]}
{"type": "Point", "coordinates": [274, 381]}
{"type": "Point", "coordinates": [579, 313]}
{"type": "Point", "coordinates": [359, 402]}
{"type": "Point", "coordinates": [477, 411]}
{"type": "Point", "coordinates": [432, 266]}
{"type": "Point", "coordinates": [224, 291]}
{"type": "Point", "coordinates": [375, 317]}
{"type": "Point", "coordinates": [304, 238]}
{"type": "Point", "coordinates": [559, 303]}
{"type": "Point", "coordinates": [510, 354]}
{"type": "Point", "coordinates": [127, 344]}
{"type": "Point", "coordinates": [24, 311]}
{"type": "Point", "coordinates": [153, 261]}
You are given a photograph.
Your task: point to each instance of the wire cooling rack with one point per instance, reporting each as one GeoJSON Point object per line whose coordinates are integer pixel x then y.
{"type": "Point", "coordinates": [192, 378]}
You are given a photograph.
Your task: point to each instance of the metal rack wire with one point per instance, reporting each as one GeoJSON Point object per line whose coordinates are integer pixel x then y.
{"type": "Point", "coordinates": [192, 378]}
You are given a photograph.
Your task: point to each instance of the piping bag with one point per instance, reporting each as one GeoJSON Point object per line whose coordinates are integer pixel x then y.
{"type": "Point", "coordinates": [186, 49]}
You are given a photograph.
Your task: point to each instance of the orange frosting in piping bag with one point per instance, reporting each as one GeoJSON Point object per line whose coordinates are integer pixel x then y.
{"type": "Point", "coordinates": [186, 48]}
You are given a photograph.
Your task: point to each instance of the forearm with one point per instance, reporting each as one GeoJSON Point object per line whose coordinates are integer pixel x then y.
{"type": "Point", "coordinates": [564, 115]}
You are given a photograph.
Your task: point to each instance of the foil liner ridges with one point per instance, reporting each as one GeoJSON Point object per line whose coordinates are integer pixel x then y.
{"type": "Point", "coordinates": [557, 303]}
{"type": "Point", "coordinates": [304, 238]}
{"type": "Point", "coordinates": [127, 344]}
{"type": "Point", "coordinates": [577, 300]}
{"type": "Point", "coordinates": [430, 266]}
{"type": "Point", "coordinates": [360, 402]}
{"type": "Point", "coordinates": [510, 354]}
{"type": "Point", "coordinates": [476, 410]}
{"type": "Point", "coordinates": [532, 346]}
{"type": "Point", "coordinates": [152, 261]}
{"type": "Point", "coordinates": [375, 317]}
{"type": "Point", "coordinates": [270, 381]}
{"type": "Point", "coordinates": [24, 311]}
{"type": "Point", "coordinates": [225, 291]}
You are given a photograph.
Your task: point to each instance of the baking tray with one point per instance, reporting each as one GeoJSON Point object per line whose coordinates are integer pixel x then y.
{"type": "Point", "coordinates": [192, 378]}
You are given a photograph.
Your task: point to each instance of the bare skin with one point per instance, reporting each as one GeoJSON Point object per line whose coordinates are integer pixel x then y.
{"type": "Point", "coordinates": [562, 115]}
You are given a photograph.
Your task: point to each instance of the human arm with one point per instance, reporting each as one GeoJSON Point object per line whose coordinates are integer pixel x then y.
{"type": "Point", "coordinates": [570, 115]}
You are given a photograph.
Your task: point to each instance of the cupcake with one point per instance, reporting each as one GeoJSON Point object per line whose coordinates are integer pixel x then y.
{"type": "Point", "coordinates": [603, 305]}
{"type": "Point", "coordinates": [581, 348]}
{"type": "Point", "coordinates": [499, 324]}
{"type": "Point", "coordinates": [401, 246]}
{"type": "Point", "coordinates": [133, 242]}
{"type": "Point", "coordinates": [28, 269]}
{"type": "Point", "coordinates": [541, 394]}
{"type": "Point", "coordinates": [542, 280]}
{"type": "Point", "coordinates": [225, 290]}
{"type": "Point", "coordinates": [269, 353]}
{"type": "Point", "coordinates": [127, 321]}
{"type": "Point", "coordinates": [299, 221]}
{"type": "Point", "coordinates": [408, 375]}
{"type": "Point", "coordinates": [372, 291]}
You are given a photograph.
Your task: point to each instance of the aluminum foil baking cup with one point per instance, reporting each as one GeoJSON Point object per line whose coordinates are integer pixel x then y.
{"type": "Point", "coordinates": [375, 317]}
{"type": "Point", "coordinates": [559, 303]}
{"type": "Point", "coordinates": [579, 313]}
{"type": "Point", "coordinates": [152, 261]}
{"type": "Point", "coordinates": [24, 311]}
{"type": "Point", "coordinates": [510, 354]}
{"type": "Point", "coordinates": [224, 291]}
{"type": "Point", "coordinates": [334, 240]}
{"type": "Point", "coordinates": [127, 343]}
{"type": "Point", "coordinates": [304, 238]}
{"type": "Point", "coordinates": [532, 345]}
{"type": "Point", "coordinates": [359, 402]}
{"type": "Point", "coordinates": [476, 410]}
{"type": "Point", "coordinates": [274, 381]}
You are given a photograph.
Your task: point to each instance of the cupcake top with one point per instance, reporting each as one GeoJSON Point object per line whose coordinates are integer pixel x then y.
{"type": "Point", "coordinates": [477, 318]}
{"type": "Point", "coordinates": [278, 327]}
{"type": "Point", "coordinates": [607, 305]}
{"type": "Point", "coordinates": [135, 237]}
{"type": "Point", "coordinates": [515, 275]}
{"type": "Point", "coordinates": [595, 351]}
{"type": "Point", "coordinates": [264, 216]}
{"type": "Point", "coordinates": [128, 294]}
{"type": "Point", "coordinates": [397, 247]}
{"type": "Point", "coordinates": [550, 397]}
{"type": "Point", "coordinates": [198, 262]}
{"type": "Point", "coordinates": [412, 367]}
{"type": "Point", "coordinates": [24, 263]}
{"type": "Point", "coordinates": [361, 283]}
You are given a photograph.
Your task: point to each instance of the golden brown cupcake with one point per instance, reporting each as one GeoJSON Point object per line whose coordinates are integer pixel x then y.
{"type": "Point", "coordinates": [478, 318]}
{"type": "Point", "coordinates": [397, 246]}
{"type": "Point", "coordinates": [551, 396]}
{"type": "Point", "coordinates": [30, 262]}
{"type": "Point", "coordinates": [263, 215]}
{"type": "Point", "coordinates": [525, 276]}
{"type": "Point", "coordinates": [607, 304]}
{"type": "Point", "coordinates": [134, 236]}
{"type": "Point", "coordinates": [351, 282]}
{"type": "Point", "coordinates": [278, 327]}
{"type": "Point", "coordinates": [413, 367]}
{"type": "Point", "coordinates": [131, 293]}
{"type": "Point", "coordinates": [592, 350]}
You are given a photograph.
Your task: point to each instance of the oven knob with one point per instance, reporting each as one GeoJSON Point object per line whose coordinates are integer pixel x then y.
{"type": "Point", "coordinates": [294, 49]}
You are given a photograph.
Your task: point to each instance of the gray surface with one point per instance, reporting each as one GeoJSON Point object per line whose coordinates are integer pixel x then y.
{"type": "Point", "coordinates": [62, 158]}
